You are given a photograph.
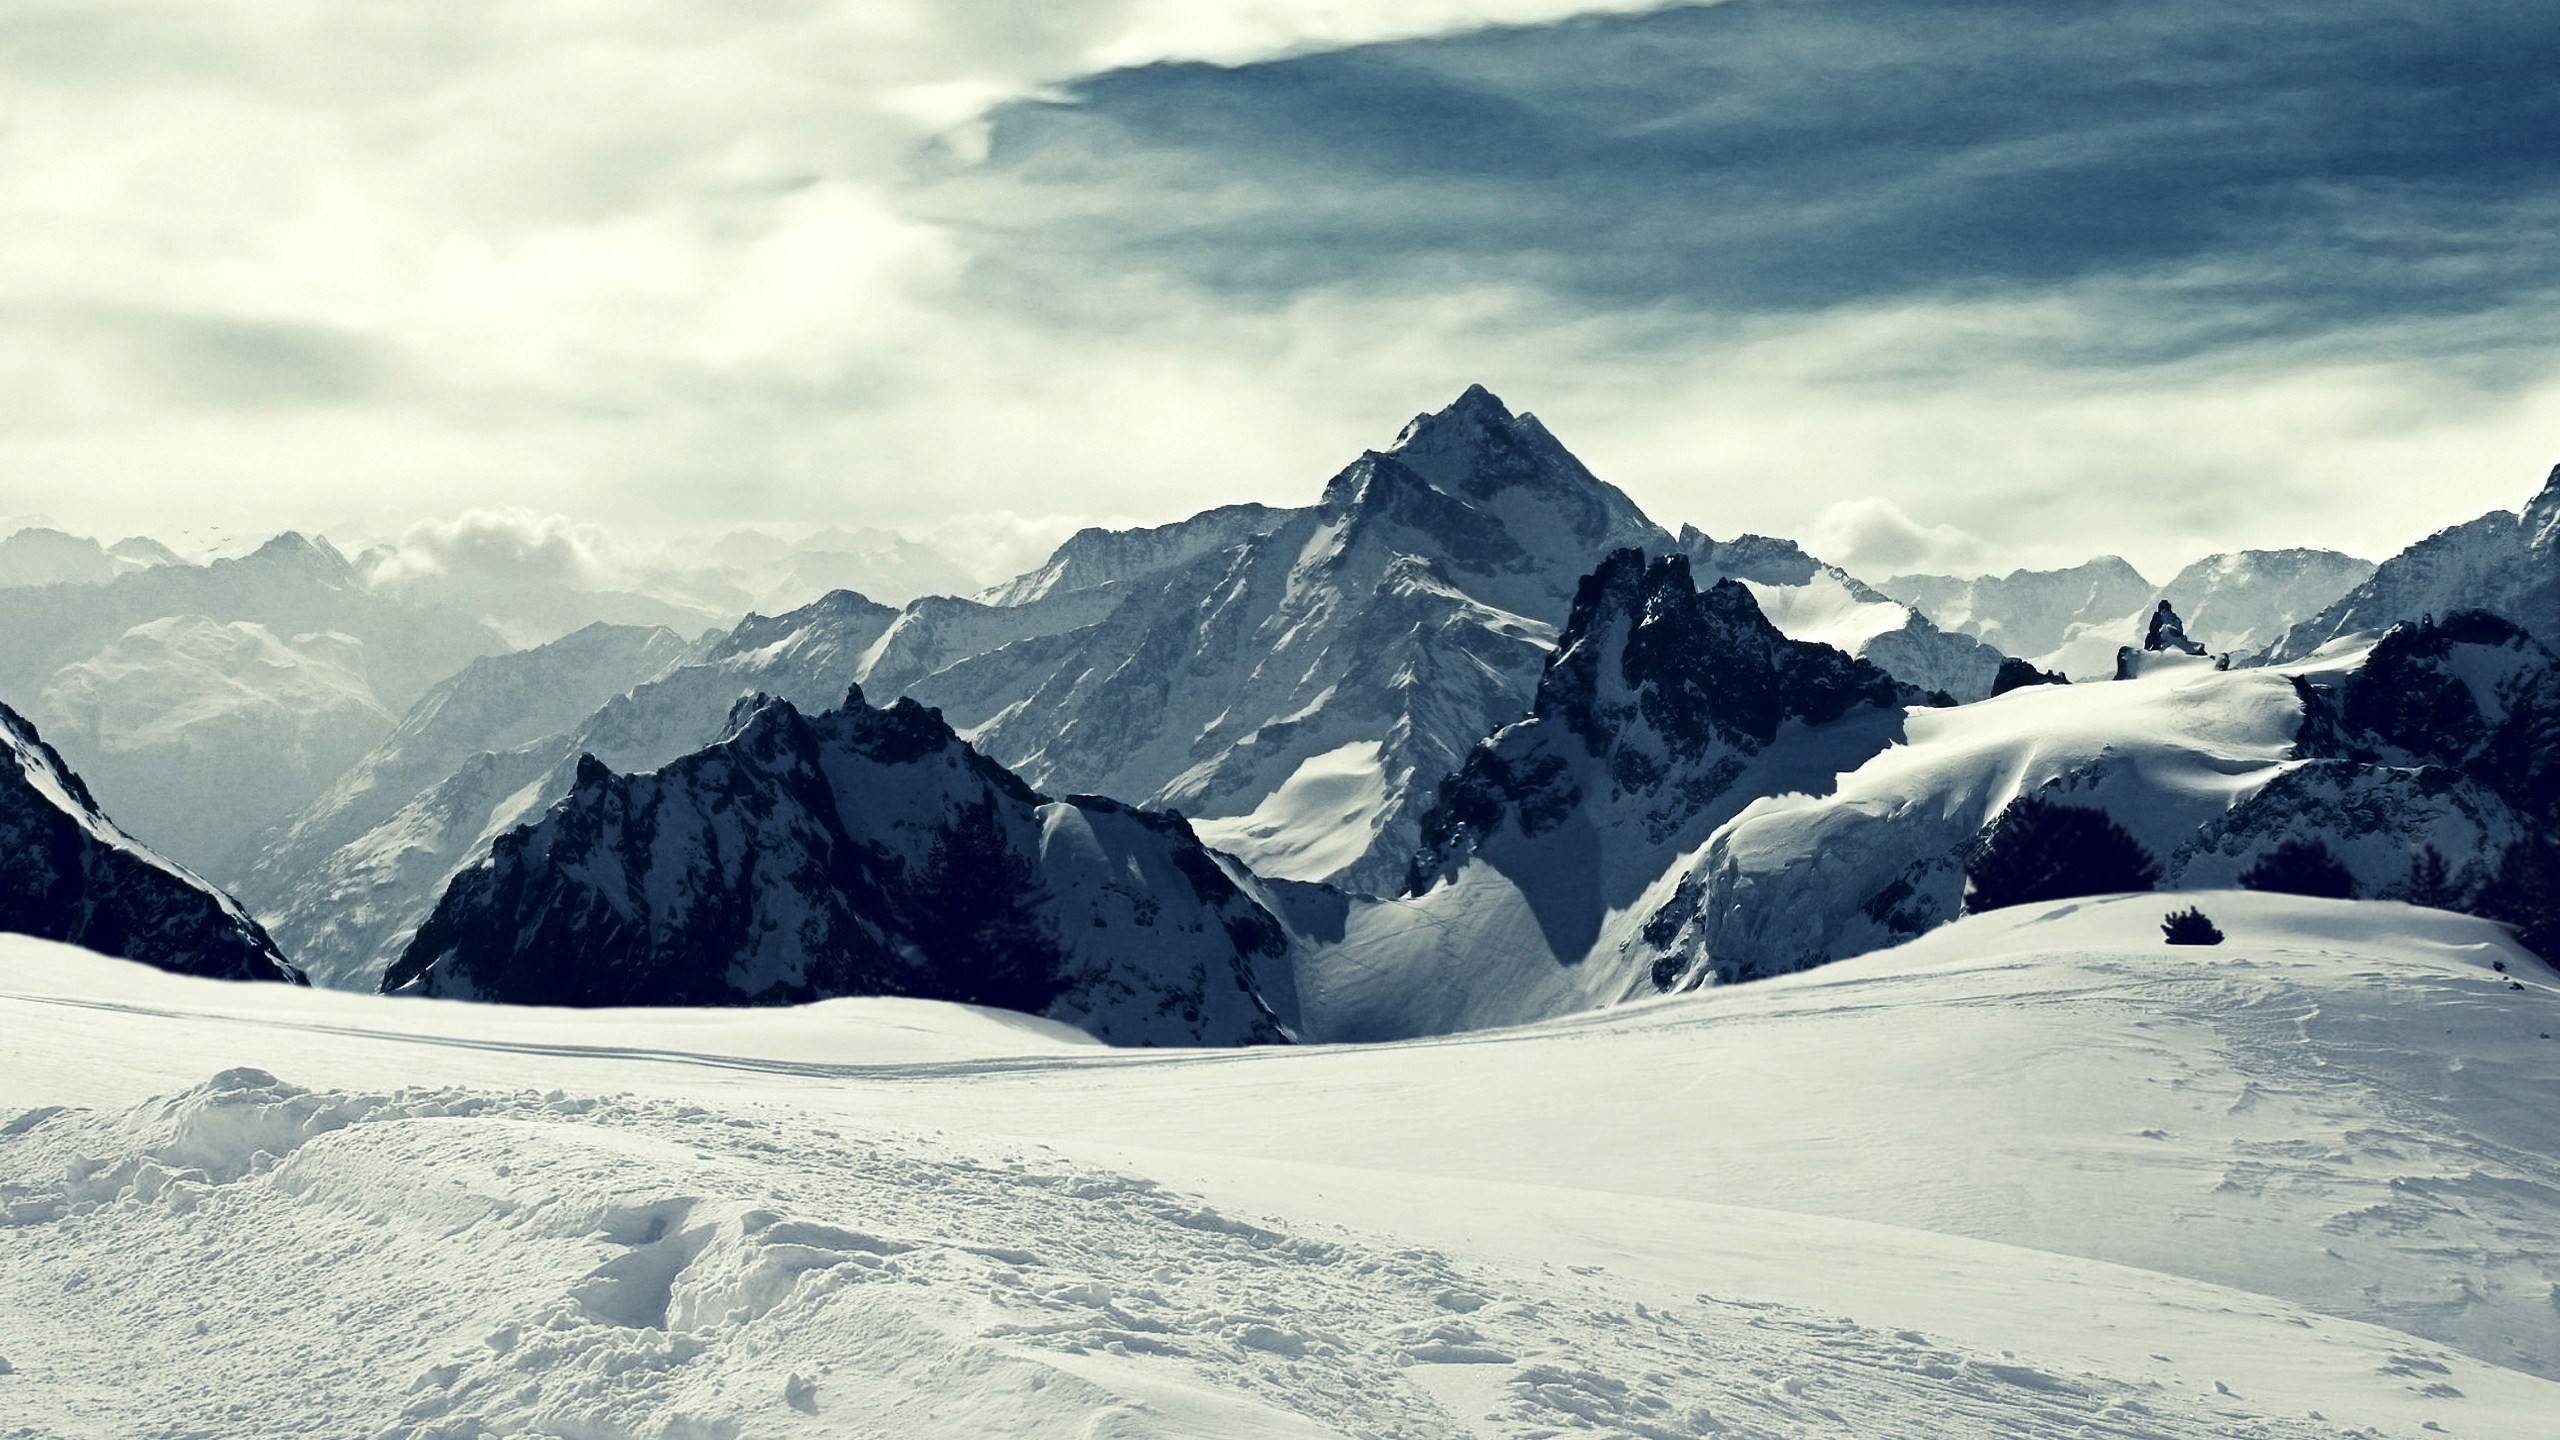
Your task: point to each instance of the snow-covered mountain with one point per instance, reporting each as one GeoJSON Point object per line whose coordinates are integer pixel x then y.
{"type": "Point", "coordinates": [2241, 602]}
{"type": "Point", "coordinates": [42, 555]}
{"type": "Point", "coordinates": [495, 704]}
{"type": "Point", "coordinates": [346, 881]}
{"type": "Point", "coordinates": [2503, 561]}
{"type": "Point", "coordinates": [292, 585]}
{"type": "Point", "coordinates": [73, 875]}
{"type": "Point", "coordinates": [2031, 613]}
{"type": "Point", "coordinates": [1664, 711]}
{"type": "Point", "coordinates": [1809, 600]}
{"type": "Point", "coordinates": [200, 733]}
{"type": "Point", "coordinates": [1094, 557]}
{"type": "Point", "coordinates": [855, 852]}
{"type": "Point", "coordinates": [1306, 689]}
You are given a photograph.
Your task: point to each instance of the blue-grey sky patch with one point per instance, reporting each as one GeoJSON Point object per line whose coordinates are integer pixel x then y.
{"type": "Point", "coordinates": [2258, 172]}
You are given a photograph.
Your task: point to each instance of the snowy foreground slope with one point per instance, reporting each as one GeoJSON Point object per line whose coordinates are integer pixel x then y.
{"type": "Point", "coordinates": [2035, 1174]}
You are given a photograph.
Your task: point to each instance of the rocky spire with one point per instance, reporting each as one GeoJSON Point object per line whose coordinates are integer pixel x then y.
{"type": "Point", "coordinates": [2167, 632]}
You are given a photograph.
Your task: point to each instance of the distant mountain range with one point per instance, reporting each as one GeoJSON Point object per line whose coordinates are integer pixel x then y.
{"type": "Point", "coordinates": [2072, 620]}
{"type": "Point", "coordinates": [1469, 740]}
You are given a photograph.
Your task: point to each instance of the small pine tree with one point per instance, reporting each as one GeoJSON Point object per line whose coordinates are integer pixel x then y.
{"type": "Point", "coordinates": [2301, 867]}
{"type": "Point", "coordinates": [2039, 850]}
{"type": "Point", "coordinates": [2430, 880]}
{"type": "Point", "coordinates": [2190, 927]}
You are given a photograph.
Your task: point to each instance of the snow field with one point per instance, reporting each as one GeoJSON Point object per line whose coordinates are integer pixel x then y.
{"type": "Point", "coordinates": [2033, 1175]}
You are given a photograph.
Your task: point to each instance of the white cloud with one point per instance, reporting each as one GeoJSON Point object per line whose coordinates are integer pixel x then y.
{"type": "Point", "coordinates": [1872, 538]}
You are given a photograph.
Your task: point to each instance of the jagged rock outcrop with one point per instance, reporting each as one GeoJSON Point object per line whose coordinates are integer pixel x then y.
{"type": "Point", "coordinates": [856, 852]}
{"type": "Point", "coordinates": [2166, 633]}
{"type": "Point", "coordinates": [2017, 674]}
{"type": "Point", "coordinates": [72, 875]}
{"type": "Point", "coordinates": [1656, 699]}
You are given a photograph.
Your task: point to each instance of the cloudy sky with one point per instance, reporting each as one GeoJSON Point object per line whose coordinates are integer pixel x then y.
{"type": "Point", "coordinates": [1928, 283]}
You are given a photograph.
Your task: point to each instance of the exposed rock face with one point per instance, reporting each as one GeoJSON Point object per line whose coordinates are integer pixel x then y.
{"type": "Point", "coordinates": [1657, 699]}
{"type": "Point", "coordinates": [2016, 673]}
{"type": "Point", "coordinates": [856, 852]}
{"type": "Point", "coordinates": [1403, 618]}
{"type": "Point", "coordinates": [2166, 633]}
{"type": "Point", "coordinates": [71, 875]}
{"type": "Point", "coordinates": [348, 880]}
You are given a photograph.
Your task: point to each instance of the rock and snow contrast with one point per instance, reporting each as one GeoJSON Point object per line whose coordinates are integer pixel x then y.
{"type": "Point", "coordinates": [72, 875]}
{"type": "Point", "coordinates": [2037, 1175]}
{"type": "Point", "coordinates": [1282, 973]}
{"type": "Point", "coordinates": [859, 851]}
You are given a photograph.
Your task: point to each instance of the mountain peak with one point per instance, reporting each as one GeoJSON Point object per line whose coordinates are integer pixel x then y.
{"type": "Point", "coordinates": [2542, 514]}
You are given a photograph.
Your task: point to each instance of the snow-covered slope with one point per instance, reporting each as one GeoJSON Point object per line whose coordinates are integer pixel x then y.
{"type": "Point", "coordinates": [291, 585]}
{"type": "Point", "coordinates": [2037, 1176]}
{"type": "Point", "coordinates": [1095, 557]}
{"type": "Point", "coordinates": [2509, 563]}
{"type": "Point", "coordinates": [1409, 611]}
{"type": "Point", "coordinates": [855, 852]}
{"type": "Point", "coordinates": [198, 734]}
{"type": "Point", "coordinates": [70, 874]}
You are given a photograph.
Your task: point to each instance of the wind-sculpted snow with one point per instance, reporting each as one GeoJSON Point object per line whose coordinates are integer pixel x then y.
{"type": "Point", "coordinates": [70, 874]}
{"type": "Point", "coordinates": [2444, 736]}
{"type": "Point", "coordinates": [855, 852]}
